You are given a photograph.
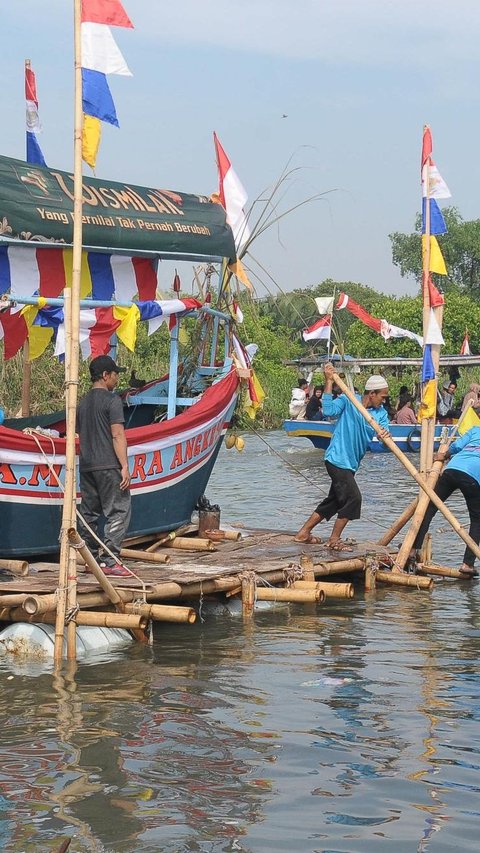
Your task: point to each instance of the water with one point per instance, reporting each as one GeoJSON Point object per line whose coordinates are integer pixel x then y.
{"type": "Point", "coordinates": [348, 728]}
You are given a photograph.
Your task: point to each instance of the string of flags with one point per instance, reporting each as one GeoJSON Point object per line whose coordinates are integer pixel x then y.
{"type": "Point", "coordinates": [100, 56]}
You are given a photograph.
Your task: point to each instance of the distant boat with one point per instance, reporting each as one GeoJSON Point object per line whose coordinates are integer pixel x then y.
{"type": "Point", "coordinates": [405, 436]}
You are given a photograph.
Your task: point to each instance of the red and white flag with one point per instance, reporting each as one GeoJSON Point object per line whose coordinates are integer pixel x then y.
{"type": "Point", "coordinates": [232, 195]}
{"type": "Point", "coordinates": [320, 331]}
{"type": "Point", "coordinates": [465, 348]}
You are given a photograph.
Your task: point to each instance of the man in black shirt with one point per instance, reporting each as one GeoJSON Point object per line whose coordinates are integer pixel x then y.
{"type": "Point", "coordinates": [104, 474]}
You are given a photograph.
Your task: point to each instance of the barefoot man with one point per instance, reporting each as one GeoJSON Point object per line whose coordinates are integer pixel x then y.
{"type": "Point", "coordinates": [346, 450]}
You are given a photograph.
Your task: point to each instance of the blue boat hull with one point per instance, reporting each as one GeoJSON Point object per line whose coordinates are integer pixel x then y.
{"type": "Point", "coordinates": [406, 437]}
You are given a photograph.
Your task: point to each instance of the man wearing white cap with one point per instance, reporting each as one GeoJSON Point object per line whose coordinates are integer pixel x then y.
{"type": "Point", "coordinates": [351, 437]}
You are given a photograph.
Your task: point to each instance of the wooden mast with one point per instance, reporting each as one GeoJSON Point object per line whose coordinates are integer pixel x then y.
{"type": "Point", "coordinates": [67, 585]}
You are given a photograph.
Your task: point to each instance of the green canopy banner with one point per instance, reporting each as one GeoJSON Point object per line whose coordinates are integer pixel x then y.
{"type": "Point", "coordinates": [36, 204]}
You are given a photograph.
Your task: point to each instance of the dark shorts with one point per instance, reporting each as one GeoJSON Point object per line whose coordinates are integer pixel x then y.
{"type": "Point", "coordinates": [344, 498]}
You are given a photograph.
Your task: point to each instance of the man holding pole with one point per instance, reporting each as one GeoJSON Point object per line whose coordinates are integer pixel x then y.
{"type": "Point", "coordinates": [463, 473]}
{"type": "Point", "coordinates": [351, 437]}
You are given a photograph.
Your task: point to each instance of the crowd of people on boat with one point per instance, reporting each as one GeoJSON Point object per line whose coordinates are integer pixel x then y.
{"type": "Point", "coordinates": [306, 402]}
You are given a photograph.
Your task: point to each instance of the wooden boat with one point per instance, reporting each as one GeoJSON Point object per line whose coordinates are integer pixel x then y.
{"type": "Point", "coordinates": [406, 437]}
{"type": "Point", "coordinates": [170, 460]}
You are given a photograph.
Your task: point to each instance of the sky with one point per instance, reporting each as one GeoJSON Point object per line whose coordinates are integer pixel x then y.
{"type": "Point", "coordinates": [355, 79]}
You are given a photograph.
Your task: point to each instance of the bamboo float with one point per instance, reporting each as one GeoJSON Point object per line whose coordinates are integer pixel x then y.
{"type": "Point", "coordinates": [102, 579]}
{"type": "Point", "coordinates": [292, 596]}
{"type": "Point", "coordinates": [144, 556]}
{"type": "Point", "coordinates": [338, 567]}
{"type": "Point", "coordinates": [227, 535]}
{"type": "Point", "coordinates": [402, 579]}
{"type": "Point", "coordinates": [155, 545]}
{"type": "Point", "coordinates": [331, 590]}
{"type": "Point", "coordinates": [399, 524]}
{"type": "Point", "coordinates": [129, 621]}
{"type": "Point", "coordinates": [15, 567]}
{"type": "Point", "coordinates": [410, 468]}
{"type": "Point", "coordinates": [370, 575]}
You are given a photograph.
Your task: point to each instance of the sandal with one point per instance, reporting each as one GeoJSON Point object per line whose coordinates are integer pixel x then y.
{"type": "Point", "coordinates": [310, 540]}
{"type": "Point", "coordinates": [339, 545]}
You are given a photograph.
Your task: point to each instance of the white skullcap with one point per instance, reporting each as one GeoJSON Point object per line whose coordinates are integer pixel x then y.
{"type": "Point", "coordinates": [375, 382]}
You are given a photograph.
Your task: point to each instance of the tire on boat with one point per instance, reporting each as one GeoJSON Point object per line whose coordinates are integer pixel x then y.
{"type": "Point", "coordinates": [412, 446]}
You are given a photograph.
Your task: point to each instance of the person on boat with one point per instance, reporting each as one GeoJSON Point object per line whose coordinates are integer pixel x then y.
{"type": "Point", "coordinates": [313, 411]}
{"type": "Point", "coordinates": [462, 473]}
{"type": "Point", "coordinates": [446, 402]}
{"type": "Point", "coordinates": [351, 437]}
{"type": "Point", "coordinates": [406, 414]}
{"type": "Point", "coordinates": [298, 402]}
{"type": "Point", "coordinates": [472, 394]}
{"type": "Point", "coordinates": [104, 474]}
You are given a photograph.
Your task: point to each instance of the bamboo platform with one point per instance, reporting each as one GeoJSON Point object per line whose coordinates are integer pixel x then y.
{"type": "Point", "coordinates": [261, 565]}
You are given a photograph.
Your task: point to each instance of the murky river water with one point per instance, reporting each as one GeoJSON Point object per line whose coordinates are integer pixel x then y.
{"type": "Point", "coordinates": [354, 727]}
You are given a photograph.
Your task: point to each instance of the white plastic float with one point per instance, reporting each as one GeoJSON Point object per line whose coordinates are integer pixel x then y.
{"type": "Point", "coordinates": [28, 640]}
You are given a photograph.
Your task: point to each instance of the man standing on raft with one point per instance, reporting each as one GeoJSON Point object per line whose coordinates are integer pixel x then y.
{"type": "Point", "coordinates": [351, 437]}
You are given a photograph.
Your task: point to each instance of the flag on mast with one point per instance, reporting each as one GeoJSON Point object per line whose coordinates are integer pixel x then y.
{"type": "Point", "coordinates": [320, 331]}
{"type": "Point", "coordinates": [33, 150]}
{"type": "Point", "coordinates": [232, 195]}
{"type": "Point", "coordinates": [100, 56]}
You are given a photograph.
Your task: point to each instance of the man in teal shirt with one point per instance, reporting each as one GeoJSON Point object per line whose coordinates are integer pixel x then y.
{"type": "Point", "coordinates": [351, 437]}
{"type": "Point", "coordinates": [462, 472]}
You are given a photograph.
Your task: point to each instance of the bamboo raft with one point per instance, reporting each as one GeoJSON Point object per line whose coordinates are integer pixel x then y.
{"type": "Point", "coordinates": [172, 575]}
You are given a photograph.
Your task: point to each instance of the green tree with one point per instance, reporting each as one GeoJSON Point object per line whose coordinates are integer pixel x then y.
{"type": "Point", "coordinates": [460, 248]}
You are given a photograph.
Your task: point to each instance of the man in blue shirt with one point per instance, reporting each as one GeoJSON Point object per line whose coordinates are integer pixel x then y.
{"type": "Point", "coordinates": [351, 437]}
{"type": "Point", "coordinates": [462, 472]}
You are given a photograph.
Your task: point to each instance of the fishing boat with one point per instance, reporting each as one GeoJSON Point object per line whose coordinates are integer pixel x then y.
{"type": "Point", "coordinates": [407, 437]}
{"type": "Point", "coordinates": [174, 425]}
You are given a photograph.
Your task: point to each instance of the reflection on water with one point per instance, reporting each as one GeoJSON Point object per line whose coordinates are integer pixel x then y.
{"type": "Point", "coordinates": [348, 728]}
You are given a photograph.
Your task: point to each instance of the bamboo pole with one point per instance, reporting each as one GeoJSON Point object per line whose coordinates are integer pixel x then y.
{"type": "Point", "coordinates": [306, 564]}
{"type": "Point", "coordinates": [454, 523]}
{"type": "Point", "coordinates": [443, 571]}
{"type": "Point", "coordinates": [331, 590]}
{"type": "Point", "coordinates": [163, 612]}
{"type": "Point", "coordinates": [339, 567]}
{"type": "Point", "coordinates": [67, 573]}
{"type": "Point", "coordinates": [13, 600]}
{"type": "Point", "coordinates": [14, 567]}
{"type": "Point", "coordinates": [26, 377]}
{"type": "Point", "coordinates": [301, 596]}
{"type": "Point", "coordinates": [402, 579]}
{"type": "Point", "coordinates": [129, 621]}
{"type": "Point", "coordinates": [370, 575]}
{"type": "Point", "coordinates": [183, 543]}
{"type": "Point", "coordinates": [102, 579]}
{"type": "Point", "coordinates": [399, 524]}
{"type": "Point", "coordinates": [145, 556]}
{"type": "Point", "coordinates": [248, 594]}
{"type": "Point", "coordinates": [423, 500]}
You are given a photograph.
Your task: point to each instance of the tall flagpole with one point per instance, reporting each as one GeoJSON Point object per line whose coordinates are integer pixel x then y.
{"type": "Point", "coordinates": [428, 424]}
{"type": "Point", "coordinates": [67, 591]}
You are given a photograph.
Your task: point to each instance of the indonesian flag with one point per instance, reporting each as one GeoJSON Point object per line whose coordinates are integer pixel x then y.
{"type": "Point", "coordinates": [465, 348]}
{"type": "Point", "coordinates": [320, 331]}
{"type": "Point", "coordinates": [232, 196]}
